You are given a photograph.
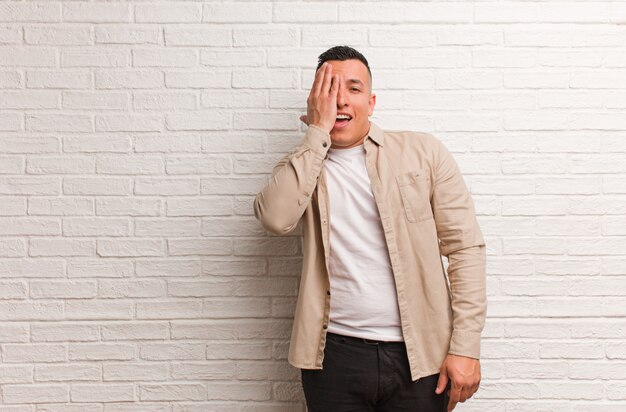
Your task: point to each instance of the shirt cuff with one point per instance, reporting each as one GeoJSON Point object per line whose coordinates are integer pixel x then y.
{"type": "Point", "coordinates": [465, 343]}
{"type": "Point", "coordinates": [317, 140]}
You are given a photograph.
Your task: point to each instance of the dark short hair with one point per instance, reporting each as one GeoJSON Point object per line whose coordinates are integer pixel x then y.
{"type": "Point", "coordinates": [342, 53]}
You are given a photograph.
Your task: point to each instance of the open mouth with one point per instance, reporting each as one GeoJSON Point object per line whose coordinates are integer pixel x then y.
{"type": "Point", "coordinates": [342, 120]}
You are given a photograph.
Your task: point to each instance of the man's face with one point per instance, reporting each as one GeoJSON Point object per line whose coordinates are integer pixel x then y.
{"type": "Point", "coordinates": [355, 99]}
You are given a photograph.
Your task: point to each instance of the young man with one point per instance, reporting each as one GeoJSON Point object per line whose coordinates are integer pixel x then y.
{"type": "Point", "coordinates": [377, 325]}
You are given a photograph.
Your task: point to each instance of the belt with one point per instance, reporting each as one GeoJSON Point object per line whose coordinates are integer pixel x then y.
{"type": "Point", "coordinates": [362, 341]}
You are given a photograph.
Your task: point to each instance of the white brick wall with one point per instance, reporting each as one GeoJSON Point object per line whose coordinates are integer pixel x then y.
{"type": "Point", "coordinates": [134, 135]}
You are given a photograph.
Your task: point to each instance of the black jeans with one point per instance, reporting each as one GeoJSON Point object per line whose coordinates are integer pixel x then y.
{"type": "Point", "coordinates": [369, 376]}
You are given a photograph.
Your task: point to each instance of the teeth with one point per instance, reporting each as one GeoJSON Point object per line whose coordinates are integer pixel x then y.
{"type": "Point", "coordinates": [343, 116]}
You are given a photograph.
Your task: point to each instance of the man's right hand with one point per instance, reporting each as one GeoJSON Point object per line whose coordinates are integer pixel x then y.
{"type": "Point", "coordinates": [322, 100]}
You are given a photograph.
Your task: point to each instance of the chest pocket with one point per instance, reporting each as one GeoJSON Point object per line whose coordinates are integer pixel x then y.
{"type": "Point", "coordinates": [415, 193]}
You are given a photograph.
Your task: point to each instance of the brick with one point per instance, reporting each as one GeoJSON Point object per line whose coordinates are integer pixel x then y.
{"type": "Point", "coordinates": [59, 123]}
{"type": "Point", "coordinates": [63, 36]}
{"type": "Point", "coordinates": [14, 332]}
{"type": "Point", "coordinates": [11, 79]}
{"type": "Point", "coordinates": [218, 308]}
{"type": "Point", "coordinates": [10, 122]}
{"type": "Point", "coordinates": [96, 13]}
{"type": "Point", "coordinates": [51, 247]}
{"type": "Point", "coordinates": [466, 79]}
{"type": "Point", "coordinates": [240, 391]}
{"type": "Point", "coordinates": [135, 331]}
{"type": "Point", "coordinates": [265, 79]}
{"type": "Point", "coordinates": [572, 13]}
{"type": "Point", "coordinates": [172, 351]}
{"type": "Point", "coordinates": [510, 13]}
{"type": "Point", "coordinates": [96, 186]}
{"type": "Point", "coordinates": [259, 121]}
{"type": "Point", "coordinates": [190, 35]}
{"type": "Point", "coordinates": [166, 268]}
{"type": "Point", "coordinates": [13, 290]}
{"type": "Point", "coordinates": [166, 186]}
{"type": "Point", "coordinates": [170, 12]}
{"type": "Point", "coordinates": [129, 247]}
{"type": "Point", "coordinates": [398, 36]}
{"type": "Point", "coordinates": [115, 144]}
{"type": "Point", "coordinates": [11, 374]}
{"type": "Point", "coordinates": [12, 248]}
{"type": "Point", "coordinates": [127, 34]}
{"type": "Point", "coordinates": [199, 165]}
{"type": "Point", "coordinates": [172, 392]}
{"type": "Point", "coordinates": [238, 350]}
{"type": "Point", "coordinates": [463, 36]}
{"type": "Point", "coordinates": [87, 57]}
{"type": "Point", "coordinates": [310, 12]}
{"type": "Point", "coordinates": [266, 37]}
{"type": "Point", "coordinates": [29, 99]}
{"type": "Point", "coordinates": [128, 207]}
{"type": "Point", "coordinates": [23, 353]}
{"type": "Point", "coordinates": [130, 288]}
{"type": "Point", "coordinates": [95, 101]}
{"type": "Point", "coordinates": [78, 227]}
{"type": "Point", "coordinates": [164, 101]}
{"type": "Point", "coordinates": [14, 11]}
{"type": "Point", "coordinates": [211, 370]}
{"type": "Point", "coordinates": [209, 247]}
{"type": "Point", "coordinates": [128, 123]}
{"type": "Point", "coordinates": [27, 57]}
{"type": "Point", "coordinates": [101, 351]}
{"type": "Point", "coordinates": [73, 372]}
{"type": "Point", "coordinates": [62, 289]}
{"type": "Point", "coordinates": [168, 228]}
{"type": "Point", "coordinates": [35, 393]}
{"type": "Point", "coordinates": [64, 332]}
{"type": "Point", "coordinates": [59, 165]}
{"type": "Point", "coordinates": [132, 165]}
{"type": "Point", "coordinates": [165, 58]}
{"type": "Point", "coordinates": [169, 310]}
{"type": "Point", "coordinates": [198, 120]}
{"type": "Point", "coordinates": [237, 12]}
{"type": "Point", "coordinates": [103, 393]}
{"type": "Point", "coordinates": [232, 58]}
{"type": "Point", "coordinates": [406, 12]}
{"type": "Point", "coordinates": [135, 372]}
{"type": "Point", "coordinates": [97, 309]}
{"type": "Point", "coordinates": [213, 79]}
{"type": "Point", "coordinates": [99, 268]}
{"type": "Point", "coordinates": [128, 79]}
{"type": "Point", "coordinates": [12, 268]}
{"type": "Point", "coordinates": [29, 226]}
{"type": "Point", "coordinates": [10, 35]}
{"type": "Point", "coordinates": [211, 206]}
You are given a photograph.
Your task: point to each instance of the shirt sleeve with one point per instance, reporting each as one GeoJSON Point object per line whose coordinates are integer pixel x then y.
{"type": "Point", "coordinates": [282, 202]}
{"type": "Point", "coordinates": [461, 241]}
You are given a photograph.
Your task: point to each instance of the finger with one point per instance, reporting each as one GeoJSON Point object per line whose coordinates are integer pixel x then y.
{"type": "Point", "coordinates": [451, 405]}
{"type": "Point", "coordinates": [328, 76]}
{"type": "Point", "coordinates": [334, 89]}
{"type": "Point", "coordinates": [304, 119]}
{"type": "Point", "coordinates": [442, 382]}
{"type": "Point", "coordinates": [319, 77]}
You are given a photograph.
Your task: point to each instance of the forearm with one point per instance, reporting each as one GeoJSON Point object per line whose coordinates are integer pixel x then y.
{"type": "Point", "coordinates": [281, 203]}
{"type": "Point", "coordinates": [466, 272]}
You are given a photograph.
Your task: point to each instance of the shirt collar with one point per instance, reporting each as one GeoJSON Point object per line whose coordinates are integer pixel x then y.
{"type": "Point", "coordinates": [376, 134]}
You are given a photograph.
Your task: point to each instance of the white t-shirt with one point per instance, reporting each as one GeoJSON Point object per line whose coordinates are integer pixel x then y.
{"type": "Point", "coordinates": [363, 293]}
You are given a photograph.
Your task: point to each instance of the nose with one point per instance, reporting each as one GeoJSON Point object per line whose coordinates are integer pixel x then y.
{"type": "Point", "coordinates": [342, 94]}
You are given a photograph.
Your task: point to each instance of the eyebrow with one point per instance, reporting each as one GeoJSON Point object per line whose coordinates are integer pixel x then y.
{"type": "Point", "coordinates": [355, 81]}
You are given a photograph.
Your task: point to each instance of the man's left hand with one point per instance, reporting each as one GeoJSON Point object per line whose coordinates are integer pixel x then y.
{"type": "Point", "coordinates": [464, 374]}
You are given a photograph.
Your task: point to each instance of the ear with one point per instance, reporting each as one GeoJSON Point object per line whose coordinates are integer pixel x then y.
{"type": "Point", "coordinates": [371, 103]}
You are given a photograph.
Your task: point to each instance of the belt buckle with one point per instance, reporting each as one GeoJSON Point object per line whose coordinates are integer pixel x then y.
{"type": "Point", "coordinates": [370, 342]}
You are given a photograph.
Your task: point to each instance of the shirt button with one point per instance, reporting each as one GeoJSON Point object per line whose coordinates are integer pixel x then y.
{"type": "Point", "coordinates": [328, 292]}
{"type": "Point", "coordinates": [324, 144]}
{"type": "Point", "coordinates": [325, 326]}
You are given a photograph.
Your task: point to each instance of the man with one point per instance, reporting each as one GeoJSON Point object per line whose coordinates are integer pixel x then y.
{"type": "Point", "coordinates": [377, 325]}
